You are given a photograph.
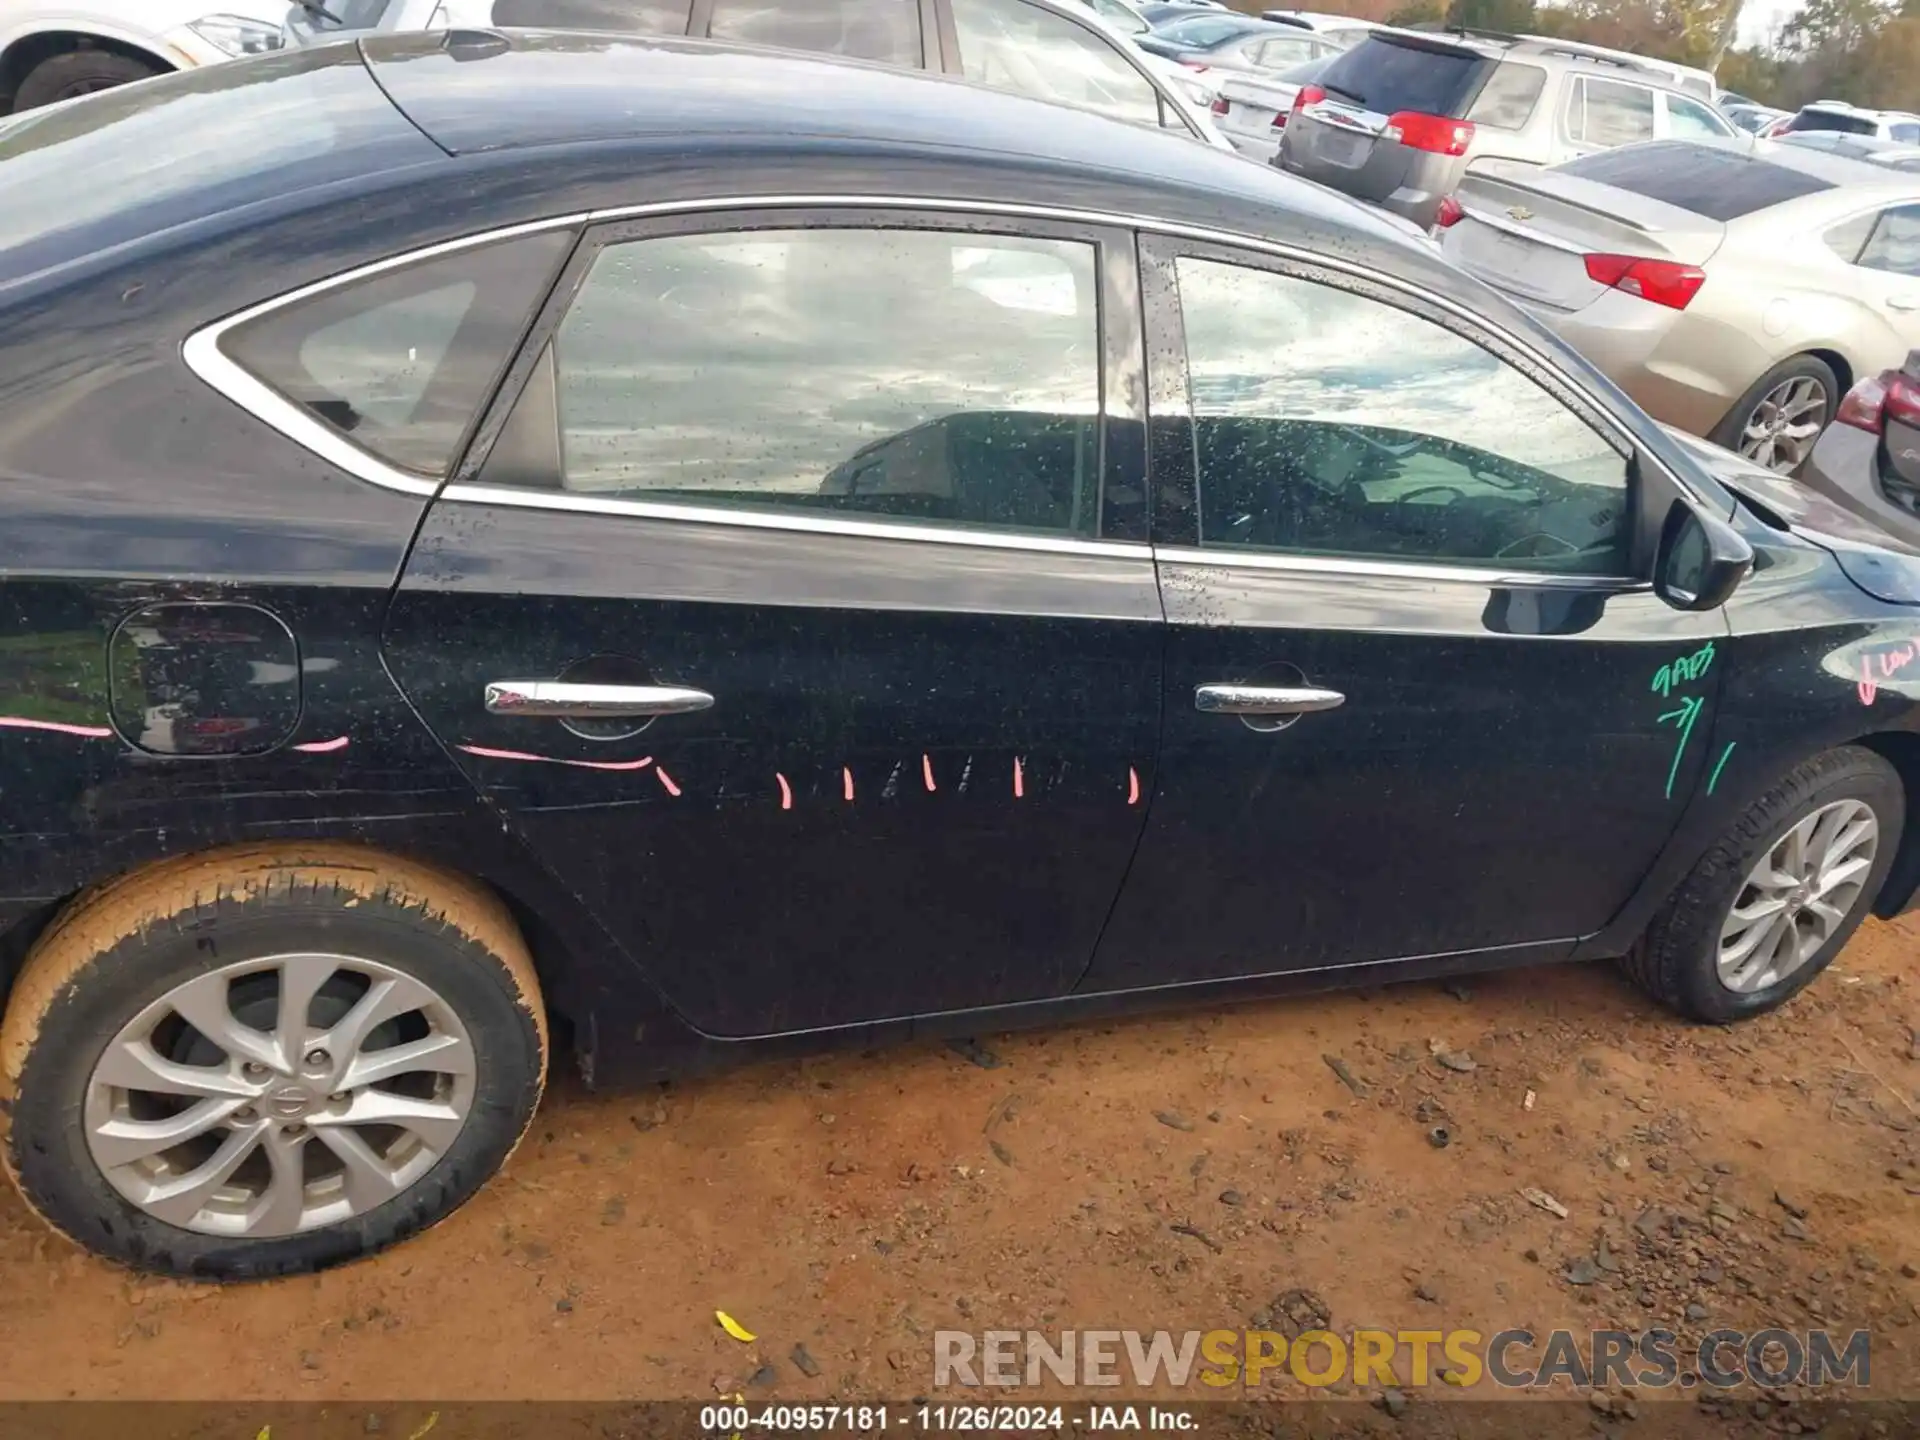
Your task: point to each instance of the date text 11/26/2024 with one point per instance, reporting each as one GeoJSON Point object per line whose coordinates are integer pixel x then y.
{"type": "Point", "coordinates": [740, 1419]}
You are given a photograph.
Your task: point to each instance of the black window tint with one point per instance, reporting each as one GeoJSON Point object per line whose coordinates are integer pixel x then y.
{"type": "Point", "coordinates": [1387, 75]}
{"type": "Point", "coordinates": [1895, 245]}
{"type": "Point", "coordinates": [1704, 179]}
{"type": "Point", "coordinates": [885, 30]}
{"type": "Point", "coordinates": [1832, 120]}
{"type": "Point", "coordinates": [1606, 112]}
{"type": "Point", "coordinates": [915, 375]}
{"type": "Point", "coordinates": [639, 17]}
{"type": "Point", "coordinates": [1012, 45]}
{"type": "Point", "coordinates": [1329, 423]}
{"type": "Point", "coordinates": [400, 363]}
{"type": "Point", "coordinates": [1506, 101]}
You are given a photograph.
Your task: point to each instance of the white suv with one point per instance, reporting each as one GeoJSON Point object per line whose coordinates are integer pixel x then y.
{"type": "Point", "coordinates": [1853, 120]}
{"type": "Point", "coordinates": [55, 49]}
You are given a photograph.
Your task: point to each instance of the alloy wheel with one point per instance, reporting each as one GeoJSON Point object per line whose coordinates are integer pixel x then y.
{"type": "Point", "coordinates": [1798, 896]}
{"type": "Point", "coordinates": [1780, 430]}
{"type": "Point", "coordinates": [273, 1096]}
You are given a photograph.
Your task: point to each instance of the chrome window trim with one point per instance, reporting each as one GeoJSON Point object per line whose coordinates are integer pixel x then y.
{"type": "Point", "coordinates": [203, 356]}
{"type": "Point", "coordinates": [773, 520]}
{"type": "Point", "coordinates": [206, 359]}
{"type": "Point", "coordinates": [1487, 577]}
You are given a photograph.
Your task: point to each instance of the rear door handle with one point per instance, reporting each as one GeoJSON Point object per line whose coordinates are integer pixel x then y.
{"type": "Point", "coordinates": [1226, 699]}
{"type": "Point", "coordinates": [560, 699]}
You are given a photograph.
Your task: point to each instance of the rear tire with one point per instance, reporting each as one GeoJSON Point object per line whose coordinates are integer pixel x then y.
{"type": "Point", "coordinates": [153, 1009]}
{"type": "Point", "coordinates": [79, 72]}
{"type": "Point", "coordinates": [1691, 959]}
{"type": "Point", "coordinates": [1792, 383]}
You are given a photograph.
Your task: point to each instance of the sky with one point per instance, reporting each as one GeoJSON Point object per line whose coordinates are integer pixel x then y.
{"type": "Point", "coordinates": [1763, 18]}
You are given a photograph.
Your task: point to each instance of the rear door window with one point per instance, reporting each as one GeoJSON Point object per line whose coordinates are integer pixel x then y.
{"type": "Point", "coordinates": [1506, 101]}
{"type": "Point", "coordinates": [1895, 246]}
{"type": "Point", "coordinates": [1011, 45]}
{"type": "Point", "coordinates": [883, 30]}
{"type": "Point", "coordinates": [1284, 52]}
{"type": "Point", "coordinates": [1907, 132]}
{"type": "Point", "coordinates": [638, 17]}
{"type": "Point", "coordinates": [1609, 112]}
{"type": "Point", "coordinates": [401, 362]}
{"type": "Point", "coordinates": [1386, 75]}
{"type": "Point", "coordinates": [1721, 184]}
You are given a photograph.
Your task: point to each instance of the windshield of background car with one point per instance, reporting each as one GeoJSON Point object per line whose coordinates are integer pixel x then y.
{"type": "Point", "coordinates": [1205, 30]}
{"type": "Point", "coordinates": [78, 177]}
{"type": "Point", "coordinates": [1705, 180]}
{"type": "Point", "coordinates": [1387, 74]}
{"type": "Point", "coordinates": [1832, 120]}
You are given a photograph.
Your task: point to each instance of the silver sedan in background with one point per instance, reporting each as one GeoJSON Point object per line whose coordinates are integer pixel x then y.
{"type": "Point", "coordinates": [1733, 294]}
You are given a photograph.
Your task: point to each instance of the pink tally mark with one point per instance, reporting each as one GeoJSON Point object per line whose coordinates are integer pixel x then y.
{"type": "Point", "coordinates": [485, 753]}
{"type": "Point", "coordinates": [323, 747]}
{"type": "Point", "coordinates": [86, 732]}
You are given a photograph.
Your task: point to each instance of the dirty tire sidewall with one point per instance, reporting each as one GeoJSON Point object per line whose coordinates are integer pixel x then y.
{"type": "Point", "coordinates": [1678, 963]}
{"type": "Point", "coordinates": [1728, 432]}
{"type": "Point", "coordinates": [46, 1147]}
{"type": "Point", "coordinates": [53, 77]}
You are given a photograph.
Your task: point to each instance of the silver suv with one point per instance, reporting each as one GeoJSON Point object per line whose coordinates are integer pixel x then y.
{"type": "Point", "coordinates": [1398, 119]}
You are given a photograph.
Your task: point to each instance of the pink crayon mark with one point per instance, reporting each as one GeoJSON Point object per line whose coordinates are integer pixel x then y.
{"type": "Point", "coordinates": [786, 791]}
{"type": "Point", "coordinates": [666, 780]}
{"type": "Point", "coordinates": [87, 732]}
{"type": "Point", "coordinates": [846, 782]}
{"type": "Point", "coordinates": [322, 747]}
{"type": "Point", "coordinates": [926, 771]}
{"type": "Point", "coordinates": [1133, 786]}
{"type": "Point", "coordinates": [489, 754]}
{"type": "Point", "coordinates": [1897, 659]}
{"type": "Point", "coordinates": [1019, 779]}
{"type": "Point", "coordinates": [1866, 687]}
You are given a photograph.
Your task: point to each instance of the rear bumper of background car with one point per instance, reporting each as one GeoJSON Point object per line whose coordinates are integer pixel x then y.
{"type": "Point", "coordinates": [1845, 467]}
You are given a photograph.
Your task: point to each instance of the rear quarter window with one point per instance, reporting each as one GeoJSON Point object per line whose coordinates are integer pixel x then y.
{"type": "Point", "coordinates": [637, 17]}
{"type": "Point", "coordinates": [1832, 120]}
{"type": "Point", "coordinates": [1702, 179]}
{"type": "Point", "coordinates": [1386, 75]}
{"type": "Point", "coordinates": [1506, 101]}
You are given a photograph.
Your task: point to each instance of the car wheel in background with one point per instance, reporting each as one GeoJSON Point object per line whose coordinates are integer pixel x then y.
{"type": "Point", "coordinates": [1776, 897]}
{"type": "Point", "coordinates": [78, 72]}
{"type": "Point", "coordinates": [1776, 422]}
{"type": "Point", "coordinates": [267, 1061]}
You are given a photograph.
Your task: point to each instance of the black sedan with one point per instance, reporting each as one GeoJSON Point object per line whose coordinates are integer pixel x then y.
{"type": "Point", "coordinates": [505, 552]}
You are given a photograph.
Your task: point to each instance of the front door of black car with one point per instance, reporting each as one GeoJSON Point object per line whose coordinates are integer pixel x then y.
{"type": "Point", "coordinates": [798, 614]}
{"type": "Point", "coordinates": [1416, 702]}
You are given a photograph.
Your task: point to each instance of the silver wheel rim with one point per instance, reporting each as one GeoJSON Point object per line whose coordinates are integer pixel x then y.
{"type": "Point", "coordinates": [1798, 896]}
{"type": "Point", "coordinates": [274, 1096]}
{"type": "Point", "coordinates": [1781, 429]}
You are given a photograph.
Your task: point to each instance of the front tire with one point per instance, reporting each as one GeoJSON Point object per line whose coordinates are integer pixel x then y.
{"type": "Point", "coordinates": [78, 72]}
{"type": "Point", "coordinates": [1776, 898]}
{"type": "Point", "coordinates": [268, 1061]}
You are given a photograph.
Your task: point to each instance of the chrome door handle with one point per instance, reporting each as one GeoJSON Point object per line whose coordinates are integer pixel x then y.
{"type": "Point", "coordinates": [560, 699]}
{"type": "Point", "coordinates": [1264, 699]}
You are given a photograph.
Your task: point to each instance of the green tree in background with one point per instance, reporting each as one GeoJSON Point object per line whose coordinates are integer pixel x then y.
{"type": "Point", "coordinates": [1508, 17]}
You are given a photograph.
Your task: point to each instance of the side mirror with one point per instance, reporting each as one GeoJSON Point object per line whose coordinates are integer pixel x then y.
{"type": "Point", "coordinates": [1701, 560]}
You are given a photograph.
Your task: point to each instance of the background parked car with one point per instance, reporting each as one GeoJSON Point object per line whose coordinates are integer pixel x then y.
{"type": "Point", "coordinates": [1734, 295]}
{"type": "Point", "coordinates": [1252, 108]}
{"type": "Point", "coordinates": [1754, 119]}
{"type": "Point", "coordinates": [1895, 154]}
{"type": "Point", "coordinates": [1400, 118]}
{"type": "Point", "coordinates": [1853, 120]}
{"type": "Point", "coordinates": [55, 49]}
{"type": "Point", "coordinates": [1868, 459]}
{"type": "Point", "coordinates": [1050, 49]}
{"type": "Point", "coordinates": [1344, 31]}
{"type": "Point", "coordinates": [1234, 43]}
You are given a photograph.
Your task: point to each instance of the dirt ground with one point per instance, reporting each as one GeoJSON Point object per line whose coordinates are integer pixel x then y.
{"type": "Point", "coordinates": [1176, 1172]}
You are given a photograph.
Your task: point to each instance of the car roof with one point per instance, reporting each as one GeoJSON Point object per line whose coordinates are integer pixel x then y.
{"type": "Point", "coordinates": [1535, 49]}
{"type": "Point", "coordinates": [1841, 170]}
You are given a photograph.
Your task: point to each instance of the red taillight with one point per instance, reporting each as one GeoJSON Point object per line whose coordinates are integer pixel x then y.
{"type": "Point", "coordinates": [1280, 121]}
{"type": "Point", "coordinates": [1220, 105]}
{"type": "Point", "coordinates": [1307, 95]}
{"type": "Point", "coordinates": [1435, 133]}
{"type": "Point", "coordinates": [1903, 399]}
{"type": "Point", "coordinates": [1661, 281]}
{"type": "Point", "coordinates": [1451, 212]}
{"type": "Point", "coordinates": [1865, 404]}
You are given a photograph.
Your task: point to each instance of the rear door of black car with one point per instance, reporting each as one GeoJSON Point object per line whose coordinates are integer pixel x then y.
{"type": "Point", "coordinates": [832, 522]}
